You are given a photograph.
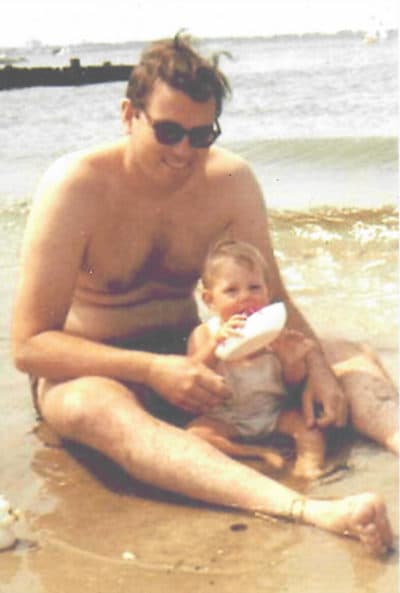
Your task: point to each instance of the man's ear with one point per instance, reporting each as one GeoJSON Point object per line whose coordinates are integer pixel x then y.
{"type": "Point", "coordinates": [127, 113]}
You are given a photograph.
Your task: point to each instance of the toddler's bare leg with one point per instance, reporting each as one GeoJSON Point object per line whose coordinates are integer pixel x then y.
{"type": "Point", "coordinates": [310, 444]}
{"type": "Point", "coordinates": [221, 435]}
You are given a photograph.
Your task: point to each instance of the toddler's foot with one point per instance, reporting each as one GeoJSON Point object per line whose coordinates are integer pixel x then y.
{"type": "Point", "coordinates": [308, 470]}
{"type": "Point", "coordinates": [273, 459]}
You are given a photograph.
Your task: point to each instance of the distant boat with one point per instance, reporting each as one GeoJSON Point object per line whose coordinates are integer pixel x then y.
{"type": "Point", "coordinates": [384, 34]}
{"type": "Point", "coordinates": [375, 35]}
{"type": "Point", "coordinates": [370, 38]}
{"type": "Point", "coordinates": [61, 51]}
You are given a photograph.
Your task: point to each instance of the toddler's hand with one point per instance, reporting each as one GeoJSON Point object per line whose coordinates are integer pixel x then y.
{"type": "Point", "coordinates": [231, 328]}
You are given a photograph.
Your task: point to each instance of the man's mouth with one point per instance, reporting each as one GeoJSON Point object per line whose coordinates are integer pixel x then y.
{"type": "Point", "coordinates": [177, 165]}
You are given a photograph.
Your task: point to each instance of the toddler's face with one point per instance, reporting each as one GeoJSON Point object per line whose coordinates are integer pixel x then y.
{"type": "Point", "coordinates": [237, 289]}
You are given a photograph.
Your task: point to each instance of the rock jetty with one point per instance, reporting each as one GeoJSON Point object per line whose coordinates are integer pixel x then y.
{"type": "Point", "coordinates": [12, 77]}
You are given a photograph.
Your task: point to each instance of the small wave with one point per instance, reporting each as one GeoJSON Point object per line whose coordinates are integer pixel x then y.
{"type": "Point", "coordinates": [351, 152]}
{"type": "Point", "coordinates": [337, 217]}
{"type": "Point", "coordinates": [323, 225]}
{"type": "Point", "coordinates": [14, 210]}
{"type": "Point", "coordinates": [13, 216]}
{"type": "Point", "coordinates": [361, 233]}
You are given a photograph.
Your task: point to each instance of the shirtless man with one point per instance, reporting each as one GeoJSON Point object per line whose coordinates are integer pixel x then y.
{"type": "Point", "coordinates": [113, 248]}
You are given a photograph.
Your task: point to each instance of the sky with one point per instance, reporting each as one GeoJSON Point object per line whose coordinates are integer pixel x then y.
{"type": "Point", "coordinates": [62, 22]}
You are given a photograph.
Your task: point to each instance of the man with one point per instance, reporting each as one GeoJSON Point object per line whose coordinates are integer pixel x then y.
{"type": "Point", "coordinates": [112, 252]}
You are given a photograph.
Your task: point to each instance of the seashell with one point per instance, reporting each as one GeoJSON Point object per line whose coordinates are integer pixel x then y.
{"type": "Point", "coordinates": [128, 555]}
{"type": "Point", "coordinates": [7, 517]}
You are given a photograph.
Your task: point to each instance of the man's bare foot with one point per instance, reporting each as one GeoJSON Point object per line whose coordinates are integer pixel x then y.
{"type": "Point", "coordinates": [362, 516]}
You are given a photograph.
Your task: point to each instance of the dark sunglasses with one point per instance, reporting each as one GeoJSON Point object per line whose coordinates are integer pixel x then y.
{"type": "Point", "coordinates": [169, 132]}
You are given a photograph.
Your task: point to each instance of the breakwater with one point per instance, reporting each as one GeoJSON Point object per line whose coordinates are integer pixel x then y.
{"type": "Point", "coordinates": [15, 77]}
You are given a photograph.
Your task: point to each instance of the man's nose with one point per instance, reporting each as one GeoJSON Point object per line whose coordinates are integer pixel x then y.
{"type": "Point", "coordinates": [183, 147]}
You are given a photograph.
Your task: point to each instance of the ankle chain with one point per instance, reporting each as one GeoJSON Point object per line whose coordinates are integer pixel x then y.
{"type": "Point", "coordinates": [296, 512]}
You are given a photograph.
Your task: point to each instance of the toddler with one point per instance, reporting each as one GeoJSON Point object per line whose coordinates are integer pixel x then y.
{"type": "Point", "coordinates": [235, 284]}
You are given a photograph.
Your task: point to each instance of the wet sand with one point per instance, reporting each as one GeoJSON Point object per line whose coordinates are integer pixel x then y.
{"type": "Point", "coordinates": [88, 527]}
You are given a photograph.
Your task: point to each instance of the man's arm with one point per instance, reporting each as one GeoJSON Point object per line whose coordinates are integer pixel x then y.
{"type": "Point", "coordinates": [58, 232]}
{"type": "Point", "coordinates": [249, 222]}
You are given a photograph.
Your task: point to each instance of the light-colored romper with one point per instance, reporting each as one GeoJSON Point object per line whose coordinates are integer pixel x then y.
{"type": "Point", "coordinates": [259, 392]}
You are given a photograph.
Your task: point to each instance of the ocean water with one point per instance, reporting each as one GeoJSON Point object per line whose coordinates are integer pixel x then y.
{"type": "Point", "coordinates": [317, 118]}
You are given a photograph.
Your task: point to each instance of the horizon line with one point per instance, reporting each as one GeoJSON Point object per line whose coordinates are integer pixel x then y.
{"type": "Point", "coordinates": [37, 43]}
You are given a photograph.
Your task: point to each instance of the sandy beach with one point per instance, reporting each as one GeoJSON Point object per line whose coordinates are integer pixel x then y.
{"type": "Point", "coordinates": [86, 526]}
{"type": "Point", "coordinates": [329, 170]}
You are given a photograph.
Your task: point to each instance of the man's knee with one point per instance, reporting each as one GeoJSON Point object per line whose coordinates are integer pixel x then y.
{"type": "Point", "coordinates": [82, 402]}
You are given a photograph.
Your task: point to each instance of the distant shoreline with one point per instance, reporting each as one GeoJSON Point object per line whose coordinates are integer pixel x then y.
{"type": "Point", "coordinates": [343, 34]}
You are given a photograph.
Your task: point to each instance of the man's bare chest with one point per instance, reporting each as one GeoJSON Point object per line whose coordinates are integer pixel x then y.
{"type": "Point", "coordinates": [163, 246]}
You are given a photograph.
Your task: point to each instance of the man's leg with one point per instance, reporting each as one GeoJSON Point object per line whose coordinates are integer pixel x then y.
{"type": "Point", "coordinates": [372, 396]}
{"type": "Point", "coordinates": [106, 416]}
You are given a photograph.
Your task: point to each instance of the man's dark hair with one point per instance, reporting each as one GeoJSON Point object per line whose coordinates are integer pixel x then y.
{"type": "Point", "coordinates": [177, 63]}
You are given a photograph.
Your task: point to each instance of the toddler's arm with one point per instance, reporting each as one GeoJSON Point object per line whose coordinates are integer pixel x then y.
{"type": "Point", "coordinates": [201, 346]}
{"type": "Point", "coordinates": [202, 343]}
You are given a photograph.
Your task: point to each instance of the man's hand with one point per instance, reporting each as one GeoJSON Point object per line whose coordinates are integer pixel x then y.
{"type": "Point", "coordinates": [324, 402]}
{"type": "Point", "coordinates": [187, 384]}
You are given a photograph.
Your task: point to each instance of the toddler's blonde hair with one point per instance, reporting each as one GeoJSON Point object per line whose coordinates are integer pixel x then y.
{"type": "Point", "coordinates": [240, 252]}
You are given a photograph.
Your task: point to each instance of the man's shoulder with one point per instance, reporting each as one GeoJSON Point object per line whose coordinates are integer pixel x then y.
{"type": "Point", "coordinates": [79, 163]}
{"type": "Point", "coordinates": [77, 173]}
{"type": "Point", "coordinates": [224, 160]}
{"type": "Point", "coordinates": [233, 176]}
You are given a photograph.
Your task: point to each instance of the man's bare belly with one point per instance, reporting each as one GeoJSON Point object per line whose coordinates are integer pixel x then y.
{"type": "Point", "coordinates": [104, 322]}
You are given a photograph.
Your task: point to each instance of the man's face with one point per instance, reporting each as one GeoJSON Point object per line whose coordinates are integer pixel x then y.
{"type": "Point", "coordinates": [168, 165]}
